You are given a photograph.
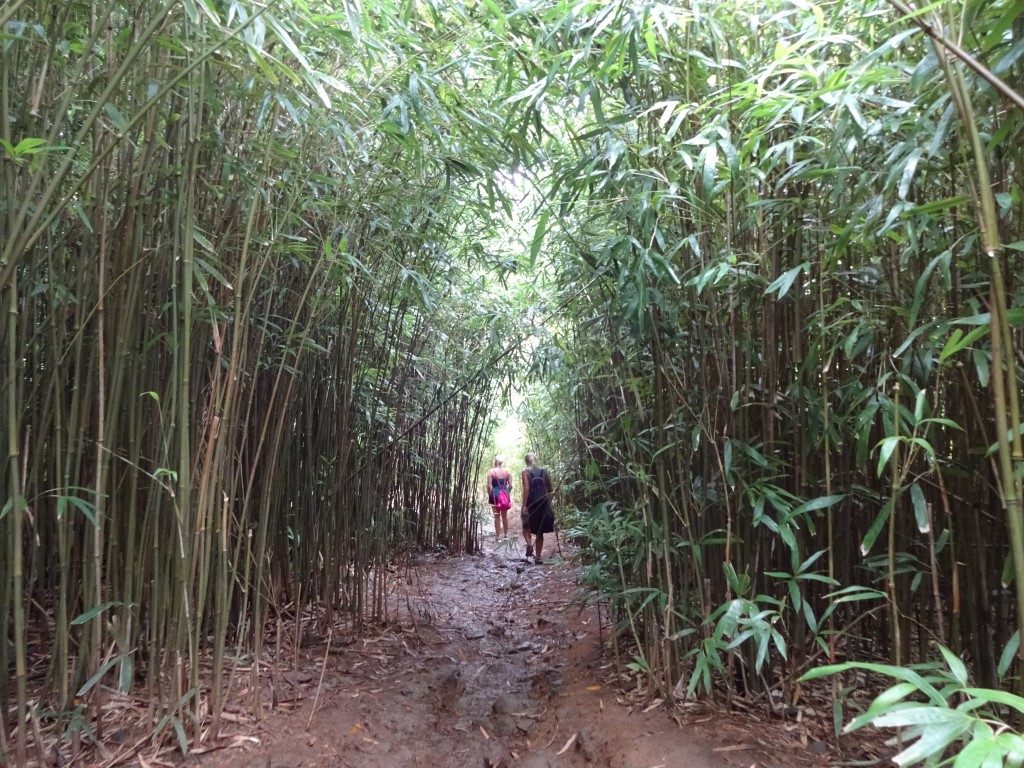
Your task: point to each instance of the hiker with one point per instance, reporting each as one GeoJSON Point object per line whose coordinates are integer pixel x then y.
{"type": "Point", "coordinates": [538, 517]}
{"type": "Point", "coordinates": [499, 495]}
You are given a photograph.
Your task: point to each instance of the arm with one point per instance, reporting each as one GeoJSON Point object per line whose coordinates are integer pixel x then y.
{"type": "Point", "coordinates": [526, 487]}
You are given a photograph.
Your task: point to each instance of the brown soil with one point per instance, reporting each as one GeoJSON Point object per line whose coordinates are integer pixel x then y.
{"type": "Point", "coordinates": [490, 663]}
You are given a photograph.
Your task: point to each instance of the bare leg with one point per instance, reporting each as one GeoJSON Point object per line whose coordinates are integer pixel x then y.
{"type": "Point", "coordinates": [497, 521]}
{"type": "Point", "coordinates": [504, 523]}
{"type": "Point", "coordinates": [527, 535]}
{"type": "Point", "coordinates": [540, 546]}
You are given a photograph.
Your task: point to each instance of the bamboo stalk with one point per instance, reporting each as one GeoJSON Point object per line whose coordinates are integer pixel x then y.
{"type": "Point", "coordinates": [16, 514]}
{"type": "Point", "coordinates": [1004, 374]}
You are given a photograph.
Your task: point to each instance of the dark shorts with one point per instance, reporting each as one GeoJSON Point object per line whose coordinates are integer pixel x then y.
{"type": "Point", "coordinates": [539, 519]}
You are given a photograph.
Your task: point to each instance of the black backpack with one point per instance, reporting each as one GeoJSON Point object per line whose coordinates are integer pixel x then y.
{"type": "Point", "coordinates": [538, 485]}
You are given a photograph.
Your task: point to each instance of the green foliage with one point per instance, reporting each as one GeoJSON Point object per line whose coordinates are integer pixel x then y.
{"type": "Point", "coordinates": [938, 713]}
{"type": "Point", "coordinates": [250, 361]}
{"type": "Point", "coordinates": [776, 353]}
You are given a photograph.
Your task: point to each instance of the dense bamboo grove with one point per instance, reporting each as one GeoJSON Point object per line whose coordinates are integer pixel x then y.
{"type": "Point", "coordinates": [256, 327]}
{"type": "Point", "coordinates": [242, 356]}
{"type": "Point", "coordinates": [780, 358]}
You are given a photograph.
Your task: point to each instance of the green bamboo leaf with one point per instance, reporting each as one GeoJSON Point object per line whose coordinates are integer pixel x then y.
{"type": "Point", "coordinates": [919, 404]}
{"type": "Point", "coordinates": [788, 537]}
{"type": "Point", "coordinates": [939, 205]}
{"type": "Point", "coordinates": [899, 673]}
{"type": "Point", "coordinates": [819, 577]}
{"type": "Point", "coordinates": [762, 653]}
{"type": "Point", "coordinates": [958, 341]}
{"type": "Point", "coordinates": [1008, 655]}
{"type": "Point", "coordinates": [353, 15]}
{"type": "Point", "coordinates": [93, 612]}
{"type": "Point", "coordinates": [179, 731]}
{"type": "Point", "coordinates": [1008, 59]}
{"type": "Point", "coordinates": [942, 422]}
{"type": "Point", "coordinates": [780, 643]}
{"type": "Point", "coordinates": [822, 502]}
{"type": "Point", "coordinates": [289, 43]}
{"type": "Point", "coordinates": [710, 157]}
{"type": "Point", "coordinates": [919, 715]}
{"type": "Point", "coordinates": [942, 260]}
{"type": "Point", "coordinates": [1012, 746]}
{"type": "Point", "coordinates": [916, 333]}
{"type": "Point", "coordinates": [127, 674]}
{"type": "Point", "coordinates": [887, 698]}
{"type": "Point", "coordinates": [887, 446]}
{"type": "Point", "coordinates": [850, 102]}
{"type": "Point", "coordinates": [531, 92]}
{"type": "Point", "coordinates": [856, 594]}
{"type": "Point", "coordinates": [1005, 698]}
{"type": "Point", "coordinates": [955, 664]}
{"type": "Point", "coordinates": [982, 751]}
{"type": "Point", "coordinates": [980, 358]}
{"type": "Point", "coordinates": [538, 236]}
{"type": "Point", "coordinates": [87, 508]}
{"type": "Point", "coordinates": [809, 617]}
{"type": "Point", "coordinates": [9, 505]}
{"type": "Point", "coordinates": [920, 508]}
{"type": "Point", "coordinates": [982, 318]}
{"type": "Point", "coordinates": [909, 168]}
{"type": "Point", "coordinates": [933, 741]}
{"type": "Point", "coordinates": [104, 668]}
{"type": "Point", "coordinates": [784, 282]}
{"type": "Point", "coordinates": [28, 146]}
{"type": "Point", "coordinates": [876, 528]}
{"type": "Point", "coordinates": [116, 117]}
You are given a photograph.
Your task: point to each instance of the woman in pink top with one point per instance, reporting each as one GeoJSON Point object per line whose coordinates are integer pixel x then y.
{"type": "Point", "coordinates": [499, 479]}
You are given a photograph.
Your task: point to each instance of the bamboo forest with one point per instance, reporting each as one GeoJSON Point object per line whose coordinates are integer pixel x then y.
{"type": "Point", "coordinates": [747, 277]}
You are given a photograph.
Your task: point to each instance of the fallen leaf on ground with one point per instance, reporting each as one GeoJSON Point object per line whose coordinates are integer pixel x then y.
{"type": "Point", "coordinates": [569, 743]}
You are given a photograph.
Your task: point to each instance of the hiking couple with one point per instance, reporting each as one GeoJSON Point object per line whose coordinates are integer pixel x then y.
{"type": "Point", "coordinates": [536, 513]}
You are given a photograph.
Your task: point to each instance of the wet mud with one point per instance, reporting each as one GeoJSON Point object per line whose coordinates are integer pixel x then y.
{"type": "Point", "coordinates": [488, 662]}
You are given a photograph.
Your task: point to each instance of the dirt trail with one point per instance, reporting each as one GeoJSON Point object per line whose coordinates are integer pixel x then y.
{"type": "Point", "coordinates": [490, 664]}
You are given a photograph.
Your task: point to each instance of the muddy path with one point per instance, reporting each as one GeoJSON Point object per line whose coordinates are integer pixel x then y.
{"type": "Point", "coordinates": [489, 663]}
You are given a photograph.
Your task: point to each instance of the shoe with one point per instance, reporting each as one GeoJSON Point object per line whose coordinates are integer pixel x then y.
{"type": "Point", "coordinates": [538, 561]}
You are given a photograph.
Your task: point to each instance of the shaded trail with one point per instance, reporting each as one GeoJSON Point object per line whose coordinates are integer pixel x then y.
{"type": "Point", "coordinates": [489, 664]}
